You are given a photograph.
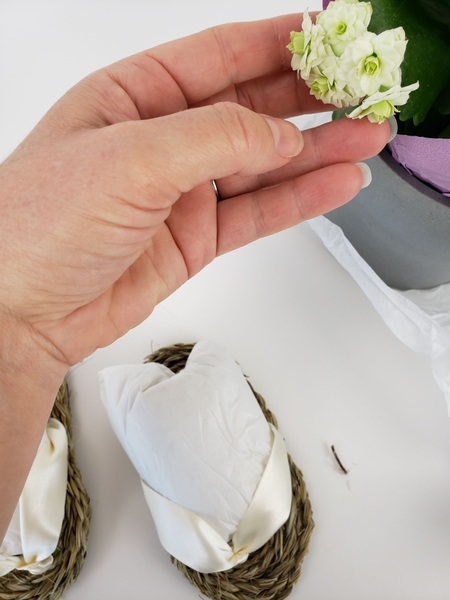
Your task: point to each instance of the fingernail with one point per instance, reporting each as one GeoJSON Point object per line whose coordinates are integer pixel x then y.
{"type": "Point", "coordinates": [367, 173]}
{"type": "Point", "coordinates": [393, 127]}
{"type": "Point", "coordinates": [287, 137]}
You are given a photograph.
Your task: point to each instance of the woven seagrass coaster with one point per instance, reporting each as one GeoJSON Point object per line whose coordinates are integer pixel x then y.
{"type": "Point", "coordinates": [271, 572]}
{"type": "Point", "coordinates": [70, 553]}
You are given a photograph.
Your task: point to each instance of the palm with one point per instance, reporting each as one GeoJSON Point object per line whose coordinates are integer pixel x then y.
{"type": "Point", "coordinates": [181, 246]}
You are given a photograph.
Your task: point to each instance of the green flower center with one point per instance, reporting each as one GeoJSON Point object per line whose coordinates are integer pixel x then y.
{"type": "Point", "coordinates": [341, 28]}
{"type": "Point", "coordinates": [297, 44]}
{"type": "Point", "coordinates": [384, 109]}
{"type": "Point", "coordinates": [321, 86]}
{"type": "Point", "coordinates": [372, 66]}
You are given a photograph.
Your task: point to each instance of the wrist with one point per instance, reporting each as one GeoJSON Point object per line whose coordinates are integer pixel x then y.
{"type": "Point", "coordinates": [30, 377]}
{"type": "Point", "coordinates": [28, 363]}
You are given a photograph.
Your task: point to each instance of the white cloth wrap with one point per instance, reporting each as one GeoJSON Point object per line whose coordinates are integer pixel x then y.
{"type": "Point", "coordinates": [34, 531]}
{"type": "Point", "coordinates": [419, 318]}
{"type": "Point", "coordinates": [212, 469]}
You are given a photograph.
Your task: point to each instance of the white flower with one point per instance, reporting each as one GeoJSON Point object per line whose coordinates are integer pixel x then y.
{"type": "Point", "coordinates": [307, 47]}
{"type": "Point", "coordinates": [343, 22]}
{"type": "Point", "coordinates": [382, 105]}
{"type": "Point", "coordinates": [330, 93]}
{"type": "Point", "coordinates": [325, 84]}
{"type": "Point", "coordinates": [373, 61]}
{"type": "Point", "coordinates": [343, 64]}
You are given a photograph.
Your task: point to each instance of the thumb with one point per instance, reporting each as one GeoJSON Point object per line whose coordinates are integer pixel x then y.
{"type": "Point", "coordinates": [182, 150]}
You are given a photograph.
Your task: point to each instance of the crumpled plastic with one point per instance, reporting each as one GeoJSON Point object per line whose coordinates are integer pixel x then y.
{"type": "Point", "coordinates": [419, 318]}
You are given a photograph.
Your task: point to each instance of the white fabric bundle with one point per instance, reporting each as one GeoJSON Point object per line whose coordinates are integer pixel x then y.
{"type": "Point", "coordinates": [214, 473]}
{"type": "Point", "coordinates": [419, 318]}
{"type": "Point", "coordinates": [34, 531]}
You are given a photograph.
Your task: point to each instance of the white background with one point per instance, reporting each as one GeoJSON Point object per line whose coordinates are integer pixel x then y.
{"type": "Point", "coordinates": [295, 321]}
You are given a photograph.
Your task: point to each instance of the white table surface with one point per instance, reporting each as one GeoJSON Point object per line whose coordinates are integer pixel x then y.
{"type": "Point", "coordinates": [297, 323]}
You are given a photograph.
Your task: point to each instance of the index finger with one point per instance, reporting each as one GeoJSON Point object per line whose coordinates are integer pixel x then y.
{"type": "Point", "coordinates": [205, 63]}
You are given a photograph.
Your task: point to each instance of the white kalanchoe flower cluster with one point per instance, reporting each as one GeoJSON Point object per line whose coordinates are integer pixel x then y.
{"type": "Point", "coordinates": [346, 65]}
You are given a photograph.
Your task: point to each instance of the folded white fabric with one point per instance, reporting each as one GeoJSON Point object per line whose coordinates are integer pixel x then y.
{"type": "Point", "coordinates": [419, 318]}
{"type": "Point", "coordinates": [214, 473]}
{"type": "Point", "coordinates": [35, 528]}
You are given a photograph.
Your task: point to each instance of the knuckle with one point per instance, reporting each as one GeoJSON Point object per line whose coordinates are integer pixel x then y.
{"type": "Point", "coordinates": [237, 127]}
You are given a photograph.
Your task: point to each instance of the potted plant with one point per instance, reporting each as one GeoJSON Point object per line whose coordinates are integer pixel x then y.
{"type": "Point", "coordinates": [400, 223]}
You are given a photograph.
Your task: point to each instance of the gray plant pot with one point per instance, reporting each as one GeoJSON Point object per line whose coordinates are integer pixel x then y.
{"type": "Point", "coordinates": [400, 226]}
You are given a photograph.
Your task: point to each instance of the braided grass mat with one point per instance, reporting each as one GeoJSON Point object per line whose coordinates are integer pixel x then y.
{"type": "Point", "coordinates": [70, 553]}
{"type": "Point", "coordinates": [270, 572]}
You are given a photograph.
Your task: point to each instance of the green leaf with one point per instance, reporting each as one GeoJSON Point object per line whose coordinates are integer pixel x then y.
{"type": "Point", "coordinates": [432, 126]}
{"type": "Point", "coordinates": [439, 10]}
{"type": "Point", "coordinates": [445, 133]}
{"type": "Point", "coordinates": [427, 57]}
{"type": "Point", "coordinates": [339, 114]}
{"type": "Point", "coordinates": [443, 102]}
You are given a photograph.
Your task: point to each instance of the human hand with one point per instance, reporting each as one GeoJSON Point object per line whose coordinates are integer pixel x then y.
{"type": "Point", "coordinates": [107, 206]}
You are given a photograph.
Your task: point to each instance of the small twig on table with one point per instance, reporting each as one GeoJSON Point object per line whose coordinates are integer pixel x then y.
{"type": "Point", "coordinates": [343, 469]}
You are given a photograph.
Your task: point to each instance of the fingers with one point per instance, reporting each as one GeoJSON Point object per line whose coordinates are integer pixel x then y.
{"type": "Point", "coordinates": [239, 62]}
{"type": "Point", "coordinates": [168, 156]}
{"type": "Point", "coordinates": [344, 140]}
{"type": "Point", "coordinates": [205, 63]}
{"type": "Point", "coordinates": [246, 218]}
{"type": "Point", "coordinates": [247, 63]}
{"type": "Point", "coordinates": [281, 94]}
